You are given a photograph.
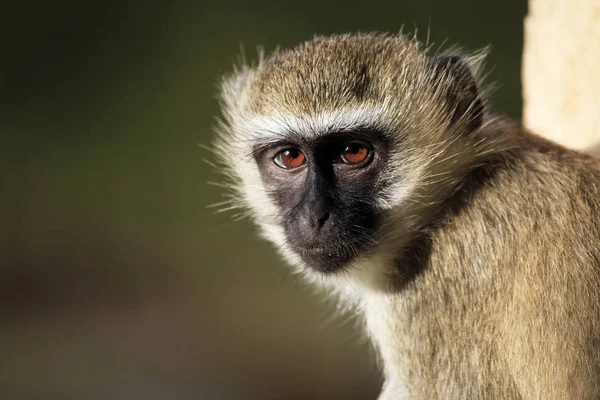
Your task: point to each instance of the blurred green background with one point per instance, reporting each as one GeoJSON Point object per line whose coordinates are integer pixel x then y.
{"type": "Point", "coordinates": [116, 281]}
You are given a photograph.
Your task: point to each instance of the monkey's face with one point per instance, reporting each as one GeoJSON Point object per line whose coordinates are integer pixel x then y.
{"type": "Point", "coordinates": [325, 187]}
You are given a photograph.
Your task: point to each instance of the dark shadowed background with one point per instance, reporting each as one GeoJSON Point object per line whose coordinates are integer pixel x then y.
{"type": "Point", "coordinates": [116, 281]}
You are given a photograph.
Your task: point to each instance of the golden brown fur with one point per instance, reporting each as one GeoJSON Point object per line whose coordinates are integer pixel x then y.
{"type": "Point", "coordinates": [293, 80]}
{"type": "Point", "coordinates": [484, 283]}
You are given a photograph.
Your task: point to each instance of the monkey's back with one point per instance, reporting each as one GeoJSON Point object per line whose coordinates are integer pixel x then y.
{"type": "Point", "coordinates": [510, 284]}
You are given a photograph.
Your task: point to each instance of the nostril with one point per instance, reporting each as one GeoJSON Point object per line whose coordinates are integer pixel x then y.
{"type": "Point", "coordinates": [323, 219]}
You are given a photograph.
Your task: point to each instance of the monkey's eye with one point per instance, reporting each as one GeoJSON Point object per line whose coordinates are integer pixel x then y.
{"type": "Point", "coordinates": [354, 153]}
{"type": "Point", "coordinates": [290, 158]}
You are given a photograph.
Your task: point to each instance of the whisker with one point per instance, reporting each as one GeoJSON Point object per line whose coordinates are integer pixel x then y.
{"type": "Point", "coordinates": [221, 185]}
{"type": "Point", "coordinates": [212, 164]}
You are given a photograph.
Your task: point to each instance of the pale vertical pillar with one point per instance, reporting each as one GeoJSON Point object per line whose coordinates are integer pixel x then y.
{"type": "Point", "coordinates": [561, 71]}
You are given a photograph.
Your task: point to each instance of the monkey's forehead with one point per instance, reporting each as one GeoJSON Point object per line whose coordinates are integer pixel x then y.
{"type": "Point", "coordinates": [335, 72]}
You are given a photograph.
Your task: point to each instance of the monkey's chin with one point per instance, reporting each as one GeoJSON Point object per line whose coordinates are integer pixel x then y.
{"type": "Point", "coordinates": [326, 260]}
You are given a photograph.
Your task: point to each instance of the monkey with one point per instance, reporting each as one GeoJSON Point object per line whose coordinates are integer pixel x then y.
{"type": "Point", "coordinates": [468, 246]}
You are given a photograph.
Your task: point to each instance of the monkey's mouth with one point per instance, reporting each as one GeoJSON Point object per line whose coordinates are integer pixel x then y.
{"type": "Point", "coordinates": [327, 259]}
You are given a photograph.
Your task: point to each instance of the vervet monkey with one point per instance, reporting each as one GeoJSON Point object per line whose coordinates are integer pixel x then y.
{"type": "Point", "coordinates": [470, 246]}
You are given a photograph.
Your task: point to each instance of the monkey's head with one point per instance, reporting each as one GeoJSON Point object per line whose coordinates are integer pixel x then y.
{"type": "Point", "coordinates": [343, 148]}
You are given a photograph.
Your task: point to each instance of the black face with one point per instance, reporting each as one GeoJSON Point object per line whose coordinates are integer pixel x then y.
{"type": "Point", "coordinates": [326, 189]}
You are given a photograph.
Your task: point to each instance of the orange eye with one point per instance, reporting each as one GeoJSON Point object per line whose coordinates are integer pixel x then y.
{"type": "Point", "coordinates": [354, 153]}
{"type": "Point", "coordinates": [290, 158]}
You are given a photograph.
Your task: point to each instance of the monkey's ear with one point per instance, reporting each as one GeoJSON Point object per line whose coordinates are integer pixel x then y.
{"type": "Point", "coordinates": [454, 77]}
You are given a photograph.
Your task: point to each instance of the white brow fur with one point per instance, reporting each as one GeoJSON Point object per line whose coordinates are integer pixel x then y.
{"type": "Point", "coordinates": [265, 128]}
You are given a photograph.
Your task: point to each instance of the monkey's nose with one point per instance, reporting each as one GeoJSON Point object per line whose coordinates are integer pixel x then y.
{"type": "Point", "coordinates": [311, 224]}
{"type": "Point", "coordinates": [321, 221]}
